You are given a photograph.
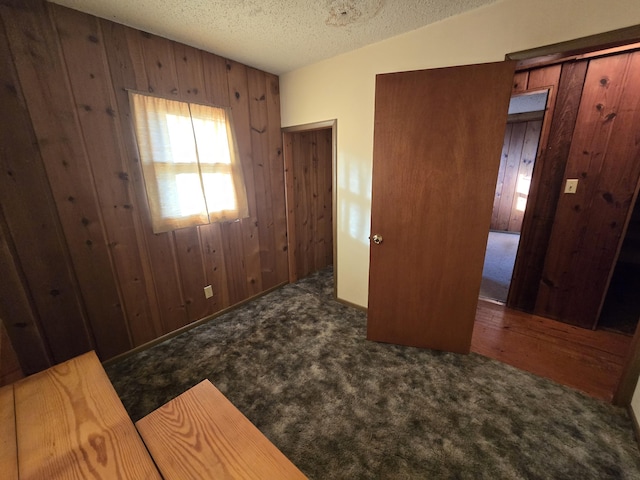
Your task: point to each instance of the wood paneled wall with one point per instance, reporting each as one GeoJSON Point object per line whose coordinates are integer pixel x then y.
{"type": "Point", "coordinates": [88, 270]}
{"type": "Point", "coordinates": [564, 83]}
{"type": "Point", "coordinates": [589, 225]}
{"type": "Point", "coordinates": [570, 242]}
{"type": "Point", "coordinates": [309, 160]}
{"type": "Point", "coordinates": [514, 176]}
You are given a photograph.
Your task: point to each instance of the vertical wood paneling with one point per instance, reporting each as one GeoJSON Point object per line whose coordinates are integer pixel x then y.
{"type": "Point", "coordinates": [520, 81]}
{"type": "Point", "coordinates": [540, 79]}
{"type": "Point", "coordinates": [516, 167]}
{"type": "Point", "coordinates": [239, 98]}
{"type": "Point", "coordinates": [309, 200]}
{"type": "Point", "coordinates": [26, 209]}
{"type": "Point", "coordinates": [276, 169]}
{"type": "Point", "coordinates": [214, 265]}
{"type": "Point", "coordinates": [324, 211]}
{"type": "Point", "coordinates": [191, 88]}
{"type": "Point", "coordinates": [154, 64]}
{"type": "Point", "coordinates": [547, 181]}
{"type": "Point", "coordinates": [216, 93]}
{"type": "Point", "coordinates": [511, 167]}
{"type": "Point", "coordinates": [73, 132]}
{"type": "Point", "coordinates": [124, 53]}
{"type": "Point", "coordinates": [19, 316]}
{"type": "Point", "coordinates": [605, 157]}
{"type": "Point", "coordinates": [262, 174]}
{"type": "Point", "coordinates": [504, 156]}
{"type": "Point", "coordinates": [45, 86]}
{"type": "Point", "coordinates": [85, 57]}
{"type": "Point", "coordinates": [525, 172]}
{"type": "Point", "coordinates": [114, 37]}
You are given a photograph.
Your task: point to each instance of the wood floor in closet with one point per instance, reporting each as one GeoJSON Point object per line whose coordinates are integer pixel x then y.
{"type": "Point", "coordinates": [587, 360]}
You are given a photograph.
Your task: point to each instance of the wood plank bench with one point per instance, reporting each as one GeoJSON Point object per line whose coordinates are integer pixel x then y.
{"type": "Point", "coordinates": [70, 423]}
{"type": "Point", "coordinates": [8, 446]}
{"type": "Point", "coordinates": [200, 434]}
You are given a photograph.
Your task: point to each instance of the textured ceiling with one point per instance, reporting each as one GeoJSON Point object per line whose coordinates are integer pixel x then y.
{"type": "Point", "coordinates": [275, 35]}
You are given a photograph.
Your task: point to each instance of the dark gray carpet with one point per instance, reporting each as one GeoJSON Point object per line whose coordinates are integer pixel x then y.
{"type": "Point", "coordinates": [297, 364]}
{"type": "Point", "coordinates": [498, 265]}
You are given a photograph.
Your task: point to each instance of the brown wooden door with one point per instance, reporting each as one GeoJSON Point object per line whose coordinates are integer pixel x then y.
{"type": "Point", "coordinates": [437, 141]}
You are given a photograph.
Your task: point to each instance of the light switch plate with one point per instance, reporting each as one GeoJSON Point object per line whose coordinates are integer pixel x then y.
{"type": "Point", "coordinates": [208, 291]}
{"type": "Point", "coordinates": [571, 185]}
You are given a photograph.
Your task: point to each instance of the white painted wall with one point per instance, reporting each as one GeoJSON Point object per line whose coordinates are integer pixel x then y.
{"type": "Point", "coordinates": [342, 87]}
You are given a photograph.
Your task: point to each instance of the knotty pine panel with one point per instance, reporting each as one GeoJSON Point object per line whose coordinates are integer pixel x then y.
{"type": "Point", "coordinates": [507, 191]}
{"type": "Point", "coordinates": [504, 155]}
{"type": "Point", "coordinates": [546, 78]}
{"type": "Point", "coordinates": [589, 224]}
{"type": "Point", "coordinates": [127, 61]}
{"type": "Point", "coordinates": [25, 195]}
{"type": "Point", "coordinates": [85, 57]}
{"type": "Point", "coordinates": [520, 81]}
{"type": "Point", "coordinates": [276, 168]}
{"type": "Point", "coordinates": [239, 99]}
{"type": "Point", "coordinates": [525, 172]}
{"type": "Point", "coordinates": [516, 167]}
{"type": "Point", "coordinates": [18, 314]}
{"type": "Point", "coordinates": [562, 111]}
{"type": "Point", "coordinates": [132, 285]}
{"type": "Point", "coordinates": [269, 176]}
{"type": "Point", "coordinates": [44, 83]}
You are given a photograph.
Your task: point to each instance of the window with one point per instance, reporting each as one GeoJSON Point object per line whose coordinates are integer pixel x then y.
{"type": "Point", "coordinates": [190, 164]}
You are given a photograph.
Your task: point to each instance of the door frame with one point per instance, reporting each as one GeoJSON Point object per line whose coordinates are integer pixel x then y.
{"type": "Point", "coordinates": [287, 135]}
{"type": "Point", "coordinates": [584, 47]}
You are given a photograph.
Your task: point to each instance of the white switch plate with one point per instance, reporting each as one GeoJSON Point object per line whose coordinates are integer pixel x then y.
{"type": "Point", "coordinates": [208, 291]}
{"type": "Point", "coordinates": [571, 186]}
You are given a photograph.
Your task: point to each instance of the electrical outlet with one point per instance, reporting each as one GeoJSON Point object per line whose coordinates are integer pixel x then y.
{"type": "Point", "coordinates": [208, 291]}
{"type": "Point", "coordinates": [571, 185]}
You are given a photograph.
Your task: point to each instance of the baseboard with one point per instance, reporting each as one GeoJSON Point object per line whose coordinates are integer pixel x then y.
{"type": "Point", "coordinates": [352, 305]}
{"type": "Point", "coordinates": [186, 328]}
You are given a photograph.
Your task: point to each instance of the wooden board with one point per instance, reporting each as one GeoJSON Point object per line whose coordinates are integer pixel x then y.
{"type": "Point", "coordinates": [276, 168]}
{"type": "Point", "coordinates": [34, 128]}
{"type": "Point", "coordinates": [240, 100]}
{"type": "Point", "coordinates": [546, 185]}
{"type": "Point", "coordinates": [433, 185]}
{"type": "Point", "coordinates": [79, 217]}
{"type": "Point", "coordinates": [262, 174]}
{"type": "Point", "coordinates": [8, 441]}
{"type": "Point", "coordinates": [200, 434]}
{"type": "Point", "coordinates": [507, 193]}
{"type": "Point", "coordinates": [514, 175]}
{"type": "Point", "coordinates": [589, 224]}
{"type": "Point", "coordinates": [525, 172]}
{"type": "Point", "coordinates": [83, 49]}
{"type": "Point", "coordinates": [131, 56]}
{"type": "Point", "coordinates": [70, 423]}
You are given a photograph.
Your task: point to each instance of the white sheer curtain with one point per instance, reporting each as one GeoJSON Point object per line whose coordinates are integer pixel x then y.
{"type": "Point", "coordinates": [190, 164]}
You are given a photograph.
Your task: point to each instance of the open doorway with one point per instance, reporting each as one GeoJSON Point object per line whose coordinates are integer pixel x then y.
{"type": "Point", "coordinates": [309, 158]}
{"type": "Point", "coordinates": [519, 151]}
{"type": "Point", "coordinates": [621, 308]}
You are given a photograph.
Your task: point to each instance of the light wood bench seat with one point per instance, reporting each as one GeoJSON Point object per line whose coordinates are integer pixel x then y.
{"type": "Point", "coordinates": [200, 434]}
{"type": "Point", "coordinates": [8, 446]}
{"type": "Point", "coordinates": [70, 423]}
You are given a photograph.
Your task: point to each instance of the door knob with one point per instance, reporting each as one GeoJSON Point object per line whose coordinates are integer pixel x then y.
{"type": "Point", "coordinates": [377, 239]}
